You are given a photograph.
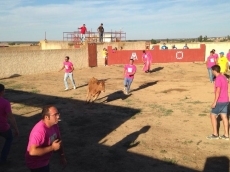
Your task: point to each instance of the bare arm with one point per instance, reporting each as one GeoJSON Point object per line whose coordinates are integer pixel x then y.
{"type": "Point", "coordinates": [62, 68]}
{"type": "Point", "coordinates": [217, 94]}
{"type": "Point", "coordinates": [39, 151]}
{"type": "Point", "coordinates": [13, 123]}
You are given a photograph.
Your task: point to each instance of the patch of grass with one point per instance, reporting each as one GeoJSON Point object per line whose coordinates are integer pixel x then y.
{"type": "Point", "coordinates": [196, 102]}
{"type": "Point", "coordinates": [170, 161]}
{"type": "Point", "coordinates": [187, 142]}
{"type": "Point", "coordinates": [202, 114]}
{"type": "Point", "coordinates": [133, 117]}
{"type": "Point", "coordinates": [163, 151]}
{"type": "Point", "coordinates": [162, 111]}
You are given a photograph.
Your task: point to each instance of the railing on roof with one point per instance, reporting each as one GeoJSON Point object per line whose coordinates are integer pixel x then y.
{"type": "Point", "coordinates": [93, 37]}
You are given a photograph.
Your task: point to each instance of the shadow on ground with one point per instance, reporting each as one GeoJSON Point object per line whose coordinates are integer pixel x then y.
{"type": "Point", "coordinates": [114, 96]}
{"type": "Point", "coordinates": [145, 85]}
{"type": "Point", "coordinates": [84, 132]}
{"type": "Point", "coordinates": [12, 76]}
{"type": "Point", "coordinates": [156, 69]}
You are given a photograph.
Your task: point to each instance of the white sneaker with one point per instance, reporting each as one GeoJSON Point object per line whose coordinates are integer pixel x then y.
{"type": "Point", "coordinates": [74, 88]}
{"type": "Point", "coordinates": [66, 89]}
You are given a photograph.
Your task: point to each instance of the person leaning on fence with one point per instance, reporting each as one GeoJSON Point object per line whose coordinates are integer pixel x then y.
{"type": "Point", "coordinates": [100, 30]}
{"type": "Point", "coordinates": [5, 128]}
{"type": "Point", "coordinates": [185, 46]}
{"type": "Point", "coordinates": [164, 47]}
{"type": "Point", "coordinates": [174, 47]}
{"type": "Point", "coordinates": [83, 31]}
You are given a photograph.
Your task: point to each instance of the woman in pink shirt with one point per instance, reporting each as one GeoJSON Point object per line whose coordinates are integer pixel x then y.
{"type": "Point", "coordinates": [147, 60]}
{"type": "Point", "coordinates": [228, 57]}
{"type": "Point", "coordinates": [211, 61]}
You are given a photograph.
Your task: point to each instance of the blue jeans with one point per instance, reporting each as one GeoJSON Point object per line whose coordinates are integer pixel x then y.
{"type": "Point", "coordinates": [70, 75]}
{"type": "Point", "coordinates": [127, 83]}
{"type": "Point", "coordinates": [210, 74]}
{"type": "Point", "coordinates": [7, 145]}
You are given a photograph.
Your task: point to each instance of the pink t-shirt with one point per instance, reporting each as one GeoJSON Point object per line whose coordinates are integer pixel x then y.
{"type": "Point", "coordinates": [221, 81]}
{"type": "Point", "coordinates": [5, 108]}
{"type": "Point", "coordinates": [228, 56]}
{"type": "Point", "coordinates": [129, 69]}
{"type": "Point", "coordinates": [216, 55]}
{"type": "Point", "coordinates": [211, 61]}
{"type": "Point", "coordinates": [147, 57]}
{"type": "Point", "coordinates": [68, 66]}
{"type": "Point", "coordinates": [41, 136]}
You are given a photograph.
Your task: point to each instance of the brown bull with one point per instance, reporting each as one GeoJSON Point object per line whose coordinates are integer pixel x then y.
{"type": "Point", "coordinates": [95, 87]}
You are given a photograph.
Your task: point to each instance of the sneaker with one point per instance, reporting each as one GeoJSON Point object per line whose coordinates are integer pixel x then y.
{"type": "Point", "coordinates": [66, 89]}
{"type": "Point", "coordinates": [74, 88]}
{"type": "Point", "coordinates": [212, 137]}
{"type": "Point", "coordinates": [224, 137]}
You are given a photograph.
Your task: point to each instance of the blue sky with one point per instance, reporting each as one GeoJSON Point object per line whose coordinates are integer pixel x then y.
{"type": "Point", "coordinates": [28, 20]}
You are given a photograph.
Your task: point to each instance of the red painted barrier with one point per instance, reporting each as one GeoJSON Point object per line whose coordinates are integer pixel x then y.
{"type": "Point", "coordinates": [159, 56]}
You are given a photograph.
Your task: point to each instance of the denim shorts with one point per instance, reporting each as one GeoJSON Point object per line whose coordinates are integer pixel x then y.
{"type": "Point", "coordinates": [221, 108]}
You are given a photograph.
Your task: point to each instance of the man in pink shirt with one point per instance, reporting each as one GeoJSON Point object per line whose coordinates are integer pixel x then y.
{"type": "Point", "coordinates": [129, 71]}
{"type": "Point", "coordinates": [68, 72]}
{"type": "Point", "coordinates": [83, 31]}
{"type": "Point", "coordinates": [228, 57]}
{"type": "Point", "coordinates": [220, 104]}
{"type": "Point", "coordinates": [211, 61]}
{"type": "Point", "coordinates": [44, 139]}
{"type": "Point", "coordinates": [5, 130]}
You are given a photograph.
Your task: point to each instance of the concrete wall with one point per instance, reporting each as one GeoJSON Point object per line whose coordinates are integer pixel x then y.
{"type": "Point", "coordinates": [52, 45]}
{"type": "Point", "coordinates": [39, 61]}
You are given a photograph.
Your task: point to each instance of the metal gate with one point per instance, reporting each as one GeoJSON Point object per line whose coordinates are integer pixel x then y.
{"type": "Point", "coordinates": [92, 54]}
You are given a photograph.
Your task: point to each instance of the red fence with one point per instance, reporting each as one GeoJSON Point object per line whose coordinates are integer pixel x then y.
{"type": "Point", "coordinates": [159, 56]}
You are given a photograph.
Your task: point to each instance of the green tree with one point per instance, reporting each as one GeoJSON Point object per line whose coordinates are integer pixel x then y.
{"type": "Point", "coordinates": [153, 41]}
{"type": "Point", "coordinates": [205, 39]}
{"type": "Point", "coordinates": [228, 37]}
{"type": "Point", "coordinates": [200, 38]}
{"type": "Point", "coordinates": [11, 43]}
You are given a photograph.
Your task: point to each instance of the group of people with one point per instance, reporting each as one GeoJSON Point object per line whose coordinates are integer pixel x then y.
{"type": "Point", "coordinates": [222, 61]}
{"type": "Point", "coordinates": [83, 31]}
{"type": "Point", "coordinates": [164, 47]}
{"type": "Point", "coordinates": [45, 136]}
{"type": "Point", "coordinates": [217, 67]}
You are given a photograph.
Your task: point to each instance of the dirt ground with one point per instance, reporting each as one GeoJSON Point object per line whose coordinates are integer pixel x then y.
{"type": "Point", "coordinates": [161, 126]}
